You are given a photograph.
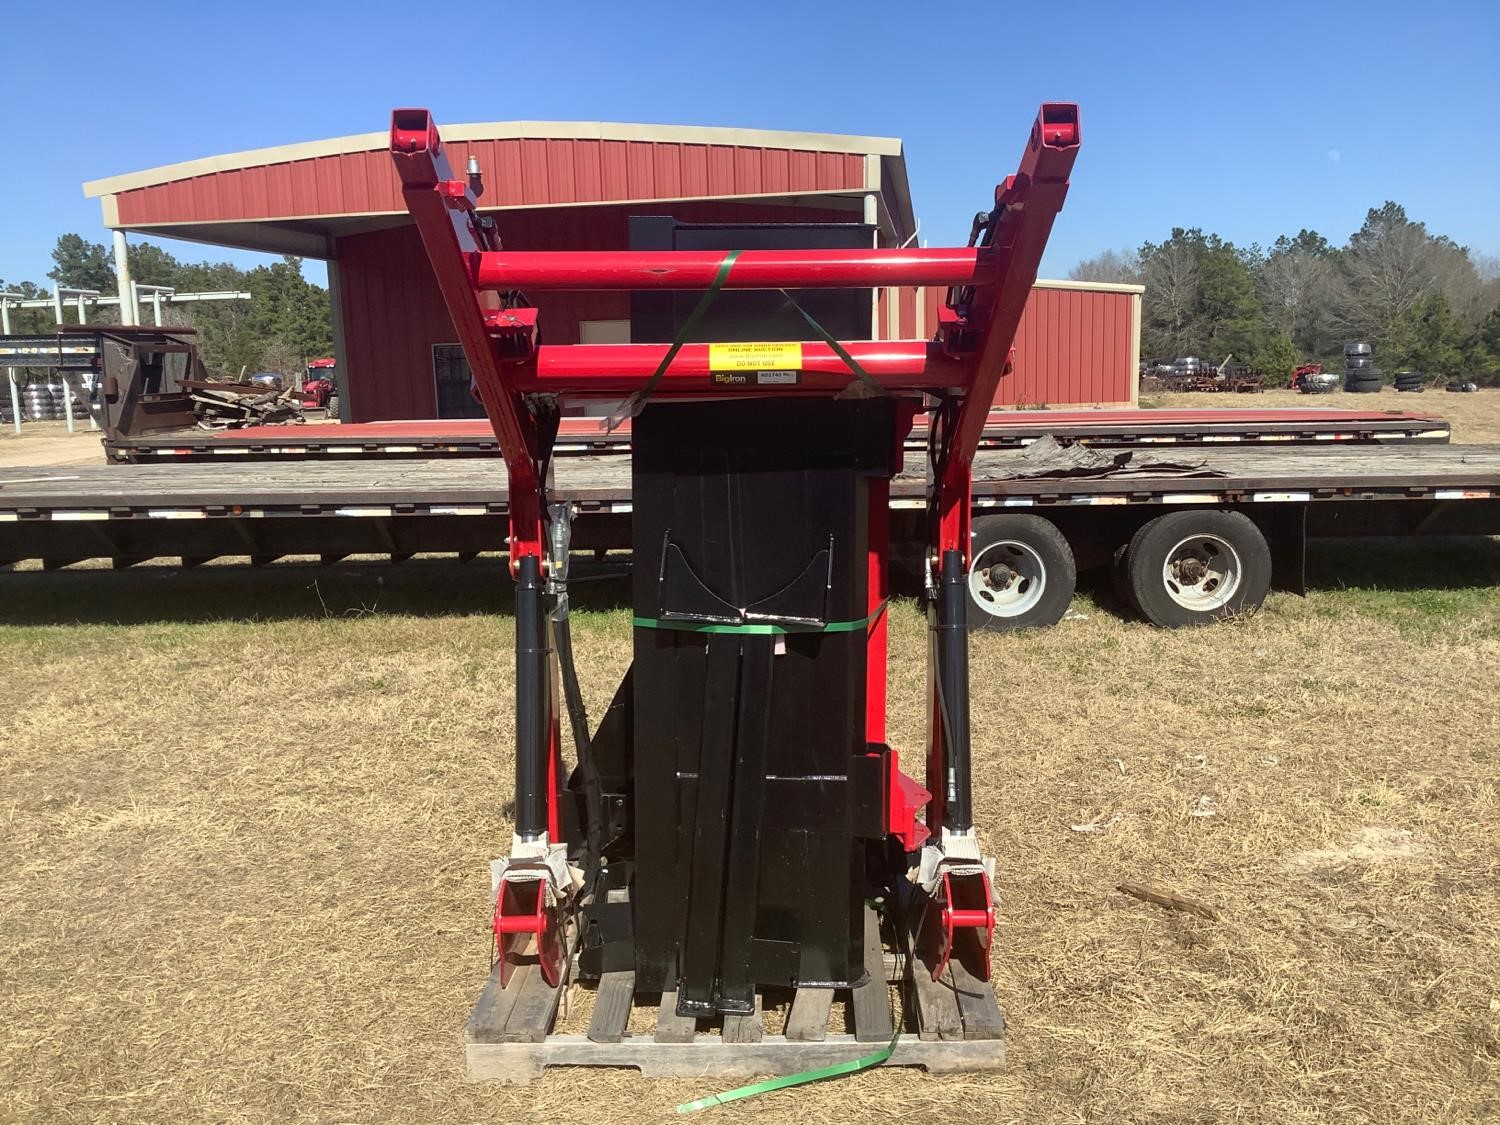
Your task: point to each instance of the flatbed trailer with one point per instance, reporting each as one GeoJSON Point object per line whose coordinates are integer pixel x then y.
{"type": "Point", "coordinates": [338, 508]}
{"type": "Point", "coordinates": [1003, 430]}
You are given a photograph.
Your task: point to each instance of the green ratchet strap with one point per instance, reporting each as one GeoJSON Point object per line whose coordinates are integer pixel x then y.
{"type": "Point", "coordinates": [838, 349]}
{"type": "Point", "coordinates": [760, 630]}
{"type": "Point", "coordinates": [853, 1066]}
{"type": "Point", "coordinates": [632, 406]}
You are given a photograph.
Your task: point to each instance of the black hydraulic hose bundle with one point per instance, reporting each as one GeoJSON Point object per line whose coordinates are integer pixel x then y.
{"type": "Point", "coordinates": [560, 535]}
{"type": "Point", "coordinates": [578, 720]}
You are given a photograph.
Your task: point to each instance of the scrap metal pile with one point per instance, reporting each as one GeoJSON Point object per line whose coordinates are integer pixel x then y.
{"type": "Point", "coordinates": [263, 401]}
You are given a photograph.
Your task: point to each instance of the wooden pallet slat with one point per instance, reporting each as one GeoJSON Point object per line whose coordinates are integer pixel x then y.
{"type": "Point", "coordinates": [612, 1007]}
{"type": "Point", "coordinates": [977, 1007]}
{"type": "Point", "coordinates": [708, 1056]}
{"type": "Point", "coordinates": [959, 1026]}
{"type": "Point", "coordinates": [746, 1028]}
{"type": "Point", "coordinates": [487, 1020]}
{"type": "Point", "coordinates": [808, 1020]}
{"type": "Point", "coordinates": [872, 1000]}
{"type": "Point", "coordinates": [670, 1027]}
{"type": "Point", "coordinates": [534, 1007]}
{"type": "Point", "coordinates": [937, 1005]}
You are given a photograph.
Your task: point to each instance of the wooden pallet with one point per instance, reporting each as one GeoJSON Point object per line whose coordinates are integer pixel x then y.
{"type": "Point", "coordinates": [951, 1025]}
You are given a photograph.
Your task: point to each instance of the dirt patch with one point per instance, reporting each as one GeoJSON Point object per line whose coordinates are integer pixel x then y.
{"type": "Point", "coordinates": [1368, 845]}
{"type": "Point", "coordinates": [49, 443]}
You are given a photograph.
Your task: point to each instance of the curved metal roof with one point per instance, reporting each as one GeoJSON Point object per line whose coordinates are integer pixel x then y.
{"type": "Point", "coordinates": [295, 198]}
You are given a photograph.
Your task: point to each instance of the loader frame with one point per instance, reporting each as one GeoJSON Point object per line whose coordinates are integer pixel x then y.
{"type": "Point", "coordinates": [524, 385]}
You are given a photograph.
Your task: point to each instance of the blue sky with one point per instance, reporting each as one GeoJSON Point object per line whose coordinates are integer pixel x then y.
{"type": "Point", "coordinates": [1247, 119]}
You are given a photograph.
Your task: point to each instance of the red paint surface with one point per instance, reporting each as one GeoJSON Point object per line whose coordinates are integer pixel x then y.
{"type": "Point", "coordinates": [752, 269]}
{"type": "Point", "coordinates": [393, 314]}
{"type": "Point", "coordinates": [478, 429]}
{"type": "Point", "coordinates": [517, 173]}
{"type": "Point", "coordinates": [1072, 346]}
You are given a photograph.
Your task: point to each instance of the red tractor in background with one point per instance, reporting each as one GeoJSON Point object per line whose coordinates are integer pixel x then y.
{"type": "Point", "coordinates": [319, 390]}
{"type": "Point", "coordinates": [1311, 379]}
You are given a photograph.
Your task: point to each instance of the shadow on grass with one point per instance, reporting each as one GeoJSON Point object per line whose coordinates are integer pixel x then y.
{"type": "Point", "coordinates": [1438, 574]}
{"type": "Point", "coordinates": [1405, 563]}
{"type": "Point", "coordinates": [285, 591]}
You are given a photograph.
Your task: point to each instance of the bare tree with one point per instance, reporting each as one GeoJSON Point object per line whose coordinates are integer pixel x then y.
{"type": "Point", "coordinates": [1391, 263]}
{"type": "Point", "coordinates": [1114, 266]}
{"type": "Point", "coordinates": [1171, 279]}
{"type": "Point", "coordinates": [1296, 283]}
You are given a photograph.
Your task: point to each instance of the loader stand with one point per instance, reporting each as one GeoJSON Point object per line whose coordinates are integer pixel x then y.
{"type": "Point", "coordinates": [738, 828]}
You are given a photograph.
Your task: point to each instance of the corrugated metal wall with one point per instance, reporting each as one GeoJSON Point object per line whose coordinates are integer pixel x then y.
{"type": "Point", "coordinates": [518, 173]}
{"type": "Point", "coordinates": [393, 314]}
{"type": "Point", "coordinates": [1075, 346]}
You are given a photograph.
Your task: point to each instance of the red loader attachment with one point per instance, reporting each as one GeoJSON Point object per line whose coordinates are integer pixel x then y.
{"type": "Point", "coordinates": [739, 802]}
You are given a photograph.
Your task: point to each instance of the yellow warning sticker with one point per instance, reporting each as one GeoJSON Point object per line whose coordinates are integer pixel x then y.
{"type": "Point", "coordinates": [755, 357]}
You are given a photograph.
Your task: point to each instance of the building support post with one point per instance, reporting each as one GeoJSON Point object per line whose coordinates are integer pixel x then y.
{"type": "Point", "coordinates": [15, 395]}
{"type": "Point", "coordinates": [129, 312]}
{"type": "Point", "coordinates": [341, 381]}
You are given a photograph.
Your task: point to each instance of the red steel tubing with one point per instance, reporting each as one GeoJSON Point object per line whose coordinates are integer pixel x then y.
{"type": "Point", "coordinates": [753, 269]}
{"type": "Point", "coordinates": [601, 368]}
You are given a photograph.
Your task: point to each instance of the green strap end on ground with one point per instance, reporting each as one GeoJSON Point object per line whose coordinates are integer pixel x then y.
{"type": "Point", "coordinates": [755, 1089]}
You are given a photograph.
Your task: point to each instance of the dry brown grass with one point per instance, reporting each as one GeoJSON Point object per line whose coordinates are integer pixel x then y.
{"type": "Point", "coordinates": [245, 822]}
{"type": "Point", "coordinates": [246, 860]}
{"type": "Point", "coordinates": [1475, 417]}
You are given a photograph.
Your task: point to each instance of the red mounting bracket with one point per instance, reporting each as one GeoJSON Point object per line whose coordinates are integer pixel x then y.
{"type": "Point", "coordinates": [961, 919]}
{"type": "Point", "coordinates": [526, 927]}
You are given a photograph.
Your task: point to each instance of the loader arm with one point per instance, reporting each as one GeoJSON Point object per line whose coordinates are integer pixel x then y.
{"type": "Point", "coordinates": [524, 384]}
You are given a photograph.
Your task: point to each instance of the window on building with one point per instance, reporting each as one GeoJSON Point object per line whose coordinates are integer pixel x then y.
{"type": "Point", "coordinates": [450, 373]}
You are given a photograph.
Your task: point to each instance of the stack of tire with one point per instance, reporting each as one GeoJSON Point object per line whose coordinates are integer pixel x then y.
{"type": "Point", "coordinates": [1361, 376]}
{"type": "Point", "coordinates": [38, 403]}
{"type": "Point", "coordinates": [1413, 381]}
{"type": "Point", "coordinates": [65, 400]}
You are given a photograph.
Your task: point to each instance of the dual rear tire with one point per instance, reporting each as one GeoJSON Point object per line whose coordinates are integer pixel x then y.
{"type": "Point", "coordinates": [1193, 568]}
{"type": "Point", "coordinates": [1022, 574]}
{"type": "Point", "coordinates": [1182, 568]}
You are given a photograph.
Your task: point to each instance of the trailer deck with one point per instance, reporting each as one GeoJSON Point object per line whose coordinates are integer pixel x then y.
{"type": "Point", "coordinates": [403, 507]}
{"type": "Point", "coordinates": [576, 436]}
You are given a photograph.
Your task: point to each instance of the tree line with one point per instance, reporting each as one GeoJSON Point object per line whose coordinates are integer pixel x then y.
{"type": "Point", "coordinates": [1422, 301]}
{"type": "Point", "coordinates": [286, 322]}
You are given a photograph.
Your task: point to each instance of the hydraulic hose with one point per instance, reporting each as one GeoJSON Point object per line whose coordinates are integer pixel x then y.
{"type": "Point", "coordinates": [578, 720]}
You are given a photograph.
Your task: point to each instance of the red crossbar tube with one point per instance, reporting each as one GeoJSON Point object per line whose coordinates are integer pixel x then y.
{"type": "Point", "coordinates": [620, 368]}
{"type": "Point", "coordinates": [753, 269]}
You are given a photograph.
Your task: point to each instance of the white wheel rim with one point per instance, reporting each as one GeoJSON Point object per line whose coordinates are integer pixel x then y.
{"type": "Point", "coordinates": [1202, 573]}
{"type": "Point", "coordinates": [1007, 579]}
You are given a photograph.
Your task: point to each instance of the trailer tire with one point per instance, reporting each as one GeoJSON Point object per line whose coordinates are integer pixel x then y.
{"type": "Point", "coordinates": [1193, 568]}
{"type": "Point", "coordinates": [1022, 574]}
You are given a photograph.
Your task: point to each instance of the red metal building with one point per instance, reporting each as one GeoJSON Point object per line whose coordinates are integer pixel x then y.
{"type": "Point", "coordinates": [559, 185]}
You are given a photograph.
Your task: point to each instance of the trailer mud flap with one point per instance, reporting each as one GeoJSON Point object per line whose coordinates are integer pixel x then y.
{"type": "Point", "coordinates": [1285, 529]}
